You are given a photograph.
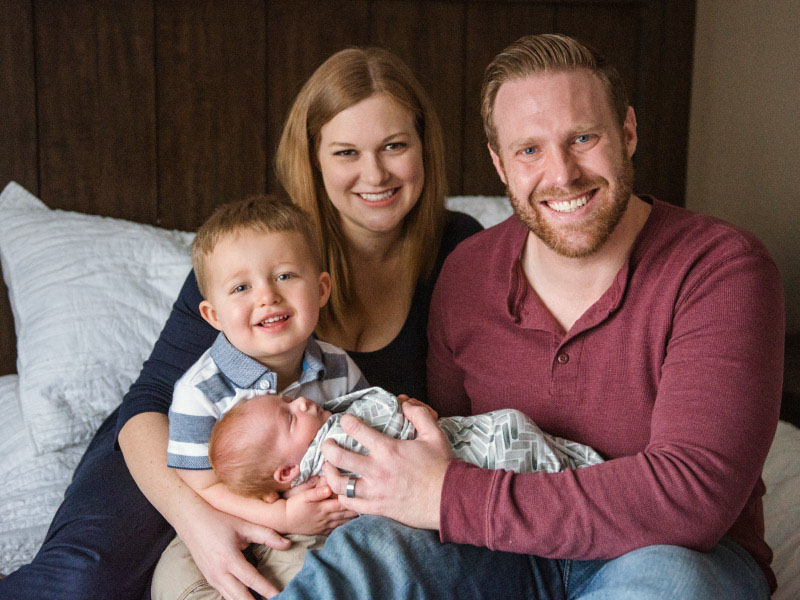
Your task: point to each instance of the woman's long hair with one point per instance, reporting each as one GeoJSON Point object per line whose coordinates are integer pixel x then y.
{"type": "Point", "coordinates": [345, 79]}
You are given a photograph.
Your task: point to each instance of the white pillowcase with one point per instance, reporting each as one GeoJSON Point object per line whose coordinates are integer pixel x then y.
{"type": "Point", "coordinates": [488, 210]}
{"type": "Point", "coordinates": [89, 295]}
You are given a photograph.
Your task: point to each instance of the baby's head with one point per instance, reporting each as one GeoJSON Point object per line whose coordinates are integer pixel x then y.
{"type": "Point", "coordinates": [257, 446]}
{"type": "Point", "coordinates": [258, 267]}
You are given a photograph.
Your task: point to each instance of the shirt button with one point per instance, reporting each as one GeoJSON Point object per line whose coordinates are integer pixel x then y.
{"type": "Point", "coordinates": [263, 384]}
{"type": "Point", "coordinates": [563, 358]}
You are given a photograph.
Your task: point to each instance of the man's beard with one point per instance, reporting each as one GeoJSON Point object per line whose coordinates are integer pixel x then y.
{"type": "Point", "coordinates": [591, 233]}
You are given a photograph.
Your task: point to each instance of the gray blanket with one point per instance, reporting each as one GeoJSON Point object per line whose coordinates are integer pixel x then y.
{"type": "Point", "coordinates": [501, 439]}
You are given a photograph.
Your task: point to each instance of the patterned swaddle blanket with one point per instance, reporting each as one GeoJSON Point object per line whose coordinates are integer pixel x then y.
{"type": "Point", "coordinates": [501, 439]}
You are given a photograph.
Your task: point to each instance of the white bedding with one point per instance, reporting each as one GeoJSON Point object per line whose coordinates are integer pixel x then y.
{"type": "Point", "coordinates": [36, 465]}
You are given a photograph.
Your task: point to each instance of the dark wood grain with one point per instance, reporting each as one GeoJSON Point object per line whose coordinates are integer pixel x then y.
{"type": "Point", "coordinates": [300, 36]}
{"type": "Point", "coordinates": [211, 106]}
{"type": "Point", "coordinates": [665, 79]}
{"type": "Point", "coordinates": [615, 31]}
{"type": "Point", "coordinates": [96, 107]}
{"type": "Point", "coordinates": [429, 37]}
{"type": "Point", "coordinates": [490, 28]}
{"type": "Point", "coordinates": [18, 140]}
{"type": "Point", "coordinates": [159, 110]}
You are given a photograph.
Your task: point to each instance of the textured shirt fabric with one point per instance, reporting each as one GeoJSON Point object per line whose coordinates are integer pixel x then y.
{"type": "Point", "coordinates": [673, 375]}
{"type": "Point", "coordinates": [501, 439]}
{"type": "Point", "coordinates": [399, 366]}
{"type": "Point", "coordinates": [224, 375]}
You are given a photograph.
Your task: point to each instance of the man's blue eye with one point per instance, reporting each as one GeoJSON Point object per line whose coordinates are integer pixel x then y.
{"type": "Point", "coordinates": [582, 139]}
{"type": "Point", "coordinates": [284, 276]}
{"type": "Point", "coordinates": [530, 150]}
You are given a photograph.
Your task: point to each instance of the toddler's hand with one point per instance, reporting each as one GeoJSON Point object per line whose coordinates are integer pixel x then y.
{"type": "Point", "coordinates": [315, 510]}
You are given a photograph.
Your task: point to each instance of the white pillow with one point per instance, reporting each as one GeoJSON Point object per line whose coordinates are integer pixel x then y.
{"type": "Point", "coordinates": [89, 295]}
{"type": "Point", "coordinates": [488, 210]}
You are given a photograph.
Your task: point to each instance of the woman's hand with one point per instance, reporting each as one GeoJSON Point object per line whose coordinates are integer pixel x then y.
{"type": "Point", "coordinates": [214, 538]}
{"type": "Point", "coordinates": [216, 541]}
{"type": "Point", "coordinates": [400, 479]}
{"type": "Point", "coordinates": [315, 510]}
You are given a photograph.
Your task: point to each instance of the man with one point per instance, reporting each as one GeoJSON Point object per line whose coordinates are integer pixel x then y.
{"type": "Point", "coordinates": [652, 334]}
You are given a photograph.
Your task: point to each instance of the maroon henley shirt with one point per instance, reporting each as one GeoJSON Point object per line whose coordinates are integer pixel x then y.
{"type": "Point", "coordinates": [674, 376]}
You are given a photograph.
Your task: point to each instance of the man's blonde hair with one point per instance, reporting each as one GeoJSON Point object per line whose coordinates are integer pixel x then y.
{"type": "Point", "coordinates": [263, 213]}
{"type": "Point", "coordinates": [554, 53]}
{"type": "Point", "coordinates": [345, 79]}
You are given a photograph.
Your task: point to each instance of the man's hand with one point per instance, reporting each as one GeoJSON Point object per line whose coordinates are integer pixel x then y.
{"type": "Point", "coordinates": [315, 510]}
{"type": "Point", "coordinates": [216, 542]}
{"type": "Point", "coordinates": [399, 479]}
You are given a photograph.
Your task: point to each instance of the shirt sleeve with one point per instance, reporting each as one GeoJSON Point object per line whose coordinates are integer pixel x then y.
{"type": "Point", "coordinates": [713, 419]}
{"type": "Point", "coordinates": [192, 416]}
{"type": "Point", "coordinates": [184, 338]}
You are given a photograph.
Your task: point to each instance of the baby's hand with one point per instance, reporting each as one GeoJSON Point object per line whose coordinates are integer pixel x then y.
{"type": "Point", "coordinates": [315, 510]}
{"type": "Point", "coordinates": [312, 482]}
{"type": "Point", "coordinates": [270, 497]}
{"type": "Point", "coordinates": [403, 398]}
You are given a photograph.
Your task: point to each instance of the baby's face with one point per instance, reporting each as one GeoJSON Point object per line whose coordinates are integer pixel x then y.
{"type": "Point", "coordinates": [291, 425]}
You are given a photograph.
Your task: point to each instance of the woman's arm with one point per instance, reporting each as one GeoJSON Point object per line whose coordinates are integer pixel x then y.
{"type": "Point", "coordinates": [215, 539]}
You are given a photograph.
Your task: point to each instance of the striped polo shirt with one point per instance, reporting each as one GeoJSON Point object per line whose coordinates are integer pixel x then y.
{"type": "Point", "coordinates": [224, 375]}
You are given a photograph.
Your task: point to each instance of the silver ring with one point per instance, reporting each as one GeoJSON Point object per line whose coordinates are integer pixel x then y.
{"type": "Point", "coordinates": [350, 490]}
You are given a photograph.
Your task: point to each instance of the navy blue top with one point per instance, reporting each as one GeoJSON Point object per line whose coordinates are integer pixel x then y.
{"type": "Point", "coordinates": [398, 367]}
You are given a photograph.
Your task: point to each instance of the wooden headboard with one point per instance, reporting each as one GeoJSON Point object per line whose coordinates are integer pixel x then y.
{"type": "Point", "coordinates": [159, 110]}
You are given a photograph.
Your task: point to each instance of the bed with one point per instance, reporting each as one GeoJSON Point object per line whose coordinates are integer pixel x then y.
{"type": "Point", "coordinates": [89, 295]}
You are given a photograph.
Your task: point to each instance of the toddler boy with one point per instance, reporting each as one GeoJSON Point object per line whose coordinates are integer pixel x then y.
{"type": "Point", "coordinates": [258, 268]}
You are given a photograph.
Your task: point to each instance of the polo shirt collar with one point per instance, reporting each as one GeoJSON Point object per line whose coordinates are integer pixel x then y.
{"type": "Point", "coordinates": [246, 372]}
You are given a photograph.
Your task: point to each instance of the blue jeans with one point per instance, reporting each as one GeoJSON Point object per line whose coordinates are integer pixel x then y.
{"type": "Point", "coordinates": [371, 557]}
{"type": "Point", "coordinates": [105, 538]}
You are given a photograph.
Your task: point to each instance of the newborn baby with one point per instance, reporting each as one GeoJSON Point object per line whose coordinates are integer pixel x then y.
{"type": "Point", "coordinates": [266, 444]}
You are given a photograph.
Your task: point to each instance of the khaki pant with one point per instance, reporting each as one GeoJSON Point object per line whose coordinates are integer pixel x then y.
{"type": "Point", "coordinates": [177, 577]}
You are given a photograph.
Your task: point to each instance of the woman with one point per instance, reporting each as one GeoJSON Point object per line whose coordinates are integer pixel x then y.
{"type": "Point", "coordinates": [362, 152]}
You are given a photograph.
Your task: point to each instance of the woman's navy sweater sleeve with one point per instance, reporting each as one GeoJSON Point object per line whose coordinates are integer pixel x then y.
{"type": "Point", "coordinates": [184, 338]}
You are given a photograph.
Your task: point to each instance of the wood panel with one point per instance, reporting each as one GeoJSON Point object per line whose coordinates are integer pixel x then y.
{"type": "Point", "coordinates": [297, 45]}
{"type": "Point", "coordinates": [18, 142]}
{"type": "Point", "coordinates": [96, 107]}
{"type": "Point", "coordinates": [665, 76]}
{"type": "Point", "coordinates": [490, 27]}
{"type": "Point", "coordinates": [211, 102]}
{"type": "Point", "coordinates": [615, 31]}
{"type": "Point", "coordinates": [158, 110]}
{"type": "Point", "coordinates": [417, 32]}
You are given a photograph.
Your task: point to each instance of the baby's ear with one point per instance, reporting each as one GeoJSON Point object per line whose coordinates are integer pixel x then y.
{"type": "Point", "coordinates": [286, 474]}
